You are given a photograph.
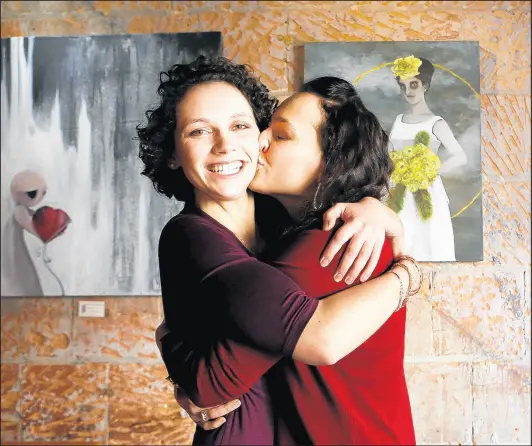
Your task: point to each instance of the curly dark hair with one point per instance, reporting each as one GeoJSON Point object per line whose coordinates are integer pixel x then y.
{"type": "Point", "coordinates": [355, 149]}
{"type": "Point", "coordinates": [156, 138]}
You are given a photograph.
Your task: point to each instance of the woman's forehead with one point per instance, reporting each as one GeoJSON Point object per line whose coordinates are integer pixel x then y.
{"type": "Point", "coordinates": [213, 100]}
{"type": "Point", "coordinates": [300, 108]}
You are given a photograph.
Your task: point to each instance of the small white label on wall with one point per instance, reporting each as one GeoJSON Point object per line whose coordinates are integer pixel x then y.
{"type": "Point", "coordinates": [91, 309]}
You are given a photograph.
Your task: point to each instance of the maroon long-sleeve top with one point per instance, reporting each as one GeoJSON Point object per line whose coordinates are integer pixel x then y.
{"type": "Point", "coordinates": [225, 310]}
{"type": "Point", "coordinates": [233, 318]}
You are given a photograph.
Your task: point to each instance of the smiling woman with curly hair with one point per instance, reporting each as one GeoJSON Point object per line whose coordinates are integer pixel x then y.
{"type": "Point", "coordinates": [157, 138]}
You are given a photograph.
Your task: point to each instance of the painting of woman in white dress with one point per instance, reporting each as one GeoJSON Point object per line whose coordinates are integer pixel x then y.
{"type": "Point", "coordinates": [427, 97]}
{"type": "Point", "coordinates": [431, 238]}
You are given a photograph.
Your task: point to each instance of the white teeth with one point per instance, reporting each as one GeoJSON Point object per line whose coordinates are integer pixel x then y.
{"type": "Point", "coordinates": [227, 169]}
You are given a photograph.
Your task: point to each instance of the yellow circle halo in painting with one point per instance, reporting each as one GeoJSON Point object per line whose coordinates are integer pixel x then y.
{"type": "Point", "coordinates": [443, 68]}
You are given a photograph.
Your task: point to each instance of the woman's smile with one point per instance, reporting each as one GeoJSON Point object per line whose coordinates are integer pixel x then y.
{"type": "Point", "coordinates": [227, 169]}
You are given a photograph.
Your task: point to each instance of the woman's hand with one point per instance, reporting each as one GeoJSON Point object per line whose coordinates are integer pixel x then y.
{"type": "Point", "coordinates": [366, 225]}
{"type": "Point", "coordinates": [207, 418]}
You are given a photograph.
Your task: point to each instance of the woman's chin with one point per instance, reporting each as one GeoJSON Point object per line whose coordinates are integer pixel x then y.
{"type": "Point", "coordinates": [258, 184]}
{"type": "Point", "coordinates": [255, 189]}
{"type": "Point", "coordinates": [228, 195]}
{"type": "Point", "coordinates": [226, 192]}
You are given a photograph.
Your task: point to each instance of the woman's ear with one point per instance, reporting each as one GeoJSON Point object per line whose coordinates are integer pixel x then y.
{"type": "Point", "coordinates": [173, 163]}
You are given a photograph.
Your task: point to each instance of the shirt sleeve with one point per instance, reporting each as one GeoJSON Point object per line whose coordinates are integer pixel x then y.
{"type": "Point", "coordinates": [258, 313]}
{"type": "Point", "coordinates": [215, 372]}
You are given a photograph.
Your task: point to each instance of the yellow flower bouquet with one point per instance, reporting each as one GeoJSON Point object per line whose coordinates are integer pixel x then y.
{"type": "Point", "coordinates": [415, 169]}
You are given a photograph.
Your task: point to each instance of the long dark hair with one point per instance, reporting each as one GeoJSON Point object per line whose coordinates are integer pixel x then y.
{"type": "Point", "coordinates": [355, 149]}
{"type": "Point", "coordinates": [156, 137]}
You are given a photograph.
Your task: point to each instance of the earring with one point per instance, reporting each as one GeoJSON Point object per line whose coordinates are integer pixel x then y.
{"type": "Point", "coordinates": [315, 204]}
{"type": "Point", "coordinates": [172, 166]}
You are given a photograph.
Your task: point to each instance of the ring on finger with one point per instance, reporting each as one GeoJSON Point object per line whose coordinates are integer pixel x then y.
{"type": "Point", "coordinates": [204, 416]}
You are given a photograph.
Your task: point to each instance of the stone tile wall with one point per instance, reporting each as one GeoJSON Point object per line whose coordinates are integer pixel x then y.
{"type": "Point", "coordinates": [67, 380]}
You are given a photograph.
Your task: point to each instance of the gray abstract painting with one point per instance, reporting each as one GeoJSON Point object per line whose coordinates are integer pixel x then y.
{"type": "Point", "coordinates": [426, 95]}
{"type": "Point", "coordinates": [77, 218]}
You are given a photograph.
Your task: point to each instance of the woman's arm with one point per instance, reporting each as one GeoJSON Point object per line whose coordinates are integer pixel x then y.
{"type": "Point", "coordinates": [344, 320]}
{"type": "Point", "coordinates": [332, 351]}
{"type": "Point", "coordinates": [270, 315]}
{"type": "Point", "coordinates": [229, 368]}
{"type": "Point", "coordinates": [457, 155]}
{"type": "Point", "coordinates": [269, 303]}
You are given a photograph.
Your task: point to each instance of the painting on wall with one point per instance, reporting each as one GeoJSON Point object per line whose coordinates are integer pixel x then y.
{"type": "Point", "coordinates": [77, 218]}
{"type": "Point", "coordinates": [426, 96]}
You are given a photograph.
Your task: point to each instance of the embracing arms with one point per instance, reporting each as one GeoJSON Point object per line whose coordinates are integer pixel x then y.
{"type": "Point", "coordinates": [344, 320]}
{"type": "Point", "coordinates": [271, 322]}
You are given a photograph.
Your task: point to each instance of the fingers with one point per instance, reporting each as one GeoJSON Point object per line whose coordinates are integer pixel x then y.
{"type": "Point", "coordinates": [213, 424]}
{"type": "Point", "coordinates": [222, 409]}
{"type": "Point", "coordinates": [361, 261]}
{"type": "Point", "coordinates": [342, 235]}
{"type": "Point", "coordinates": [209, 418]}
{"type": "Point", "coordinates": [214, 415]}
{"type": "Point", "coordinates": [355, 257]}
{"type": "Point", "coordinates": [331, 216]}
{"type": "Point", "coordinates": [373, 259]}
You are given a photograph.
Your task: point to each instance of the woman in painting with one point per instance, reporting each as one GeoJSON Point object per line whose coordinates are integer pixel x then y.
{"type": "Point", "coordinates": [232, 318]}
{"type": "Point", "coordinates": [429, 239]}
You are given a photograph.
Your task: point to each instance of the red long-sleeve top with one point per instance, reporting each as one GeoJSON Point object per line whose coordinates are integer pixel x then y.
{"type": "Point", "coordinates": [363, 398]}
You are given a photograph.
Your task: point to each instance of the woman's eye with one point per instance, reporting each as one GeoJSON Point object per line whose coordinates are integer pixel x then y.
{"type": "Point", "coordinates": [413, 85]}
{"type": "Point", "coordinates": [198, 132]}
{"type": "Point", "coordinates": [241, 126]}
{"type": "Point", "coordinates": [279, 137]}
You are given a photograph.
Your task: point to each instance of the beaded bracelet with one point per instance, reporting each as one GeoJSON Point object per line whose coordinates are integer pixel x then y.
{"type": "Point", "coordinates": [402, 293]}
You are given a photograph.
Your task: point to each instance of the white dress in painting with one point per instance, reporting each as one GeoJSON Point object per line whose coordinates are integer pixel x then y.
{"type": "Point", "coordinates": [431, 240]}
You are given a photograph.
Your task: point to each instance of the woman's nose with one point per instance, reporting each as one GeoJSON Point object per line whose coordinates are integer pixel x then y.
{"type": "Point", "coordinates": [223, 144]}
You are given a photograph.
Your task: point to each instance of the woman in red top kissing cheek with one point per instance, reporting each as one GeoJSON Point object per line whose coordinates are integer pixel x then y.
{"type": "Point", "coordinates": [324, 145]}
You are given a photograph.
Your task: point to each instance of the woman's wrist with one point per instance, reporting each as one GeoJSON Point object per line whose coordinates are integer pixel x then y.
{"type": "Point", "coordinates": [402, 291]}
{"type": "Point", "coordinates": [409, 275]}
{"type": "Point", "coordinates": [414, 270]}
{"type": "Point", "coordinates": [403, 278]}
